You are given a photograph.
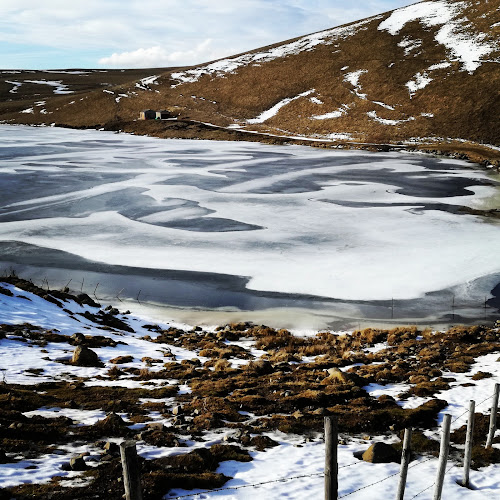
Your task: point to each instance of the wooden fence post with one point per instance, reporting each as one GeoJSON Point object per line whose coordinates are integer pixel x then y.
{"type": "Point", "coordinates": [131, 473]}
{"type": "Point", "coordinates": [331, 464]}
{"type": "Point", "coordinates": [443, 456]}
{"type": "Point", "coordinates": [493, 418]}
{"type": "Point", "coordinates": [405, 460]}
{"type": "Point", "coordinates": [468, 444]}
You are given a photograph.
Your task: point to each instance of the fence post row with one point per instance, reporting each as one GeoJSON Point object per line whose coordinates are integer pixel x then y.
{"type": "Point", "coordinates": [405, 460]}
{"type": "Point", "coordinates": [132, 478]}
{"type": "Point", "coordinates": [493, 417]}
{"type": "Point", "coordinates": [131, 473]}
{"type": "Point", "coordinates": [331, 454]}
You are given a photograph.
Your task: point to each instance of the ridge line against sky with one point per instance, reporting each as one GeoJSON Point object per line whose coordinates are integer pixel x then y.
{"type": "Point", "coordinates": [56, 34]}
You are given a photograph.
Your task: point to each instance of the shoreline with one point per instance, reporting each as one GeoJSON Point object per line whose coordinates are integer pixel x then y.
{"type": "Point", "coordinates": [482, 155]}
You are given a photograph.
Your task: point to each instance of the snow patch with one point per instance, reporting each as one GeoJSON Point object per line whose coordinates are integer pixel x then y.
{"type": "Point", "coordinates": [353, 79]}
{"type": "Point", "coordinates": [146, 82]}
{"type": "Point", "coordinates": [315, 100]}
{"type": "Point", "coordinates": [409, 45]}
{"type": "Point", "coordinates": [339, 137]}
{"type": "Point", "coordinates": [386, 106]}
{"type": "Point", "coordinates": [421, 80]}
{"type": "Point", "coordinates": [383, 121]}
{"type": "Point", "coordinates": [27, 111]}
{"type": "Point", "coordinates": [266, 115]}
{"type": "Point", "coordinates": [467, 48]}
{"type": "Point", "coordinates": [16, 87]}
{"type": "Point", "coordinates": [441, 65]}
{"type": "Point", "coordinates": [60, 87]}
{"type": "Point", "coordinates": [120, 96]}
{"type": "Point", "coordinates": [334, 114]}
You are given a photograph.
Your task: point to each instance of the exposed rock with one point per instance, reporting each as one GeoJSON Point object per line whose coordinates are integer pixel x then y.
{"type": "Point", "coordinates": [381, 453]}
{"type": "Point", "coordinates": [112, 425]}
{"type": "Point", "coordinates": [155, 426]}
{"type": "Point", "coordinates": [122, 359]}
{"type": "Point", "coordinates": [78, 339]}
{"type": "Point", "coordinates": [78, 464]}
{"type": "Point", "coordinates": [111, 448]}
{"type": "Point", "coordinates": [83, 356]}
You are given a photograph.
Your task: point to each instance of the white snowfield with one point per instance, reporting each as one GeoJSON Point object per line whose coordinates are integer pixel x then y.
{"type": "Point", "coordinates": [293, 470]}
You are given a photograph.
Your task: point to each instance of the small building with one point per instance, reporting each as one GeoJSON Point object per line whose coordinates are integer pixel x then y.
{"type": "Point", "coordinates": [162, 115]}
{"type": "Point", "coordinates": [147, 114]}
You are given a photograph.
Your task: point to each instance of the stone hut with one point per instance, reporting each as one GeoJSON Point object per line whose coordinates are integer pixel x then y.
{"type": "Point", "coordinates": [162, 115]}
{"type": "Point", "coordinates": [147, 114]}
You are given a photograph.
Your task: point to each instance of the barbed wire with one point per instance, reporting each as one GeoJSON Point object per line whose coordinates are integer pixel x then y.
{"type": "Point", "coordinates": [370, 485]}
{"type": "Point", "coordinates": [254, 485]}
{"type": "Point", "coordinates": [467, 411]}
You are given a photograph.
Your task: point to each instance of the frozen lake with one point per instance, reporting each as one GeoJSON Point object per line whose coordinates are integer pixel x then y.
{"type": "Point", "coordinates": [222, 231]}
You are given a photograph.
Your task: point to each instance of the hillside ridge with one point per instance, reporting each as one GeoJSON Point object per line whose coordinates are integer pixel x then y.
{"type": "Point", "coordinates": [425, 74]}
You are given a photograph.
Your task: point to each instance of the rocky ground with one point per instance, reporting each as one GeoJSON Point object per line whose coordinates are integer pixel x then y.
{"type": "Point", "coordinates": [241, 382]}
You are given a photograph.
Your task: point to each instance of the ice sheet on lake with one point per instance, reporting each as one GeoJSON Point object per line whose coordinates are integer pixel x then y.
{"type": "Point", "coordinates": [341, 224]}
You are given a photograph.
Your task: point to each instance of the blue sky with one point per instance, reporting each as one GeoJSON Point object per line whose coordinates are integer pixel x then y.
{"type": "Point", "coordinates": [56, 34]}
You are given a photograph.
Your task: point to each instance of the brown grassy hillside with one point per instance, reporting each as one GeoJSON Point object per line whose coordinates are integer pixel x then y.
{"type": "Point", "coordinates": [428, 72]}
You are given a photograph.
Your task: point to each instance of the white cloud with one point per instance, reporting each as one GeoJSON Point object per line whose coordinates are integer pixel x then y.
{"type": "Point", "coordinates": [158, 57]}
